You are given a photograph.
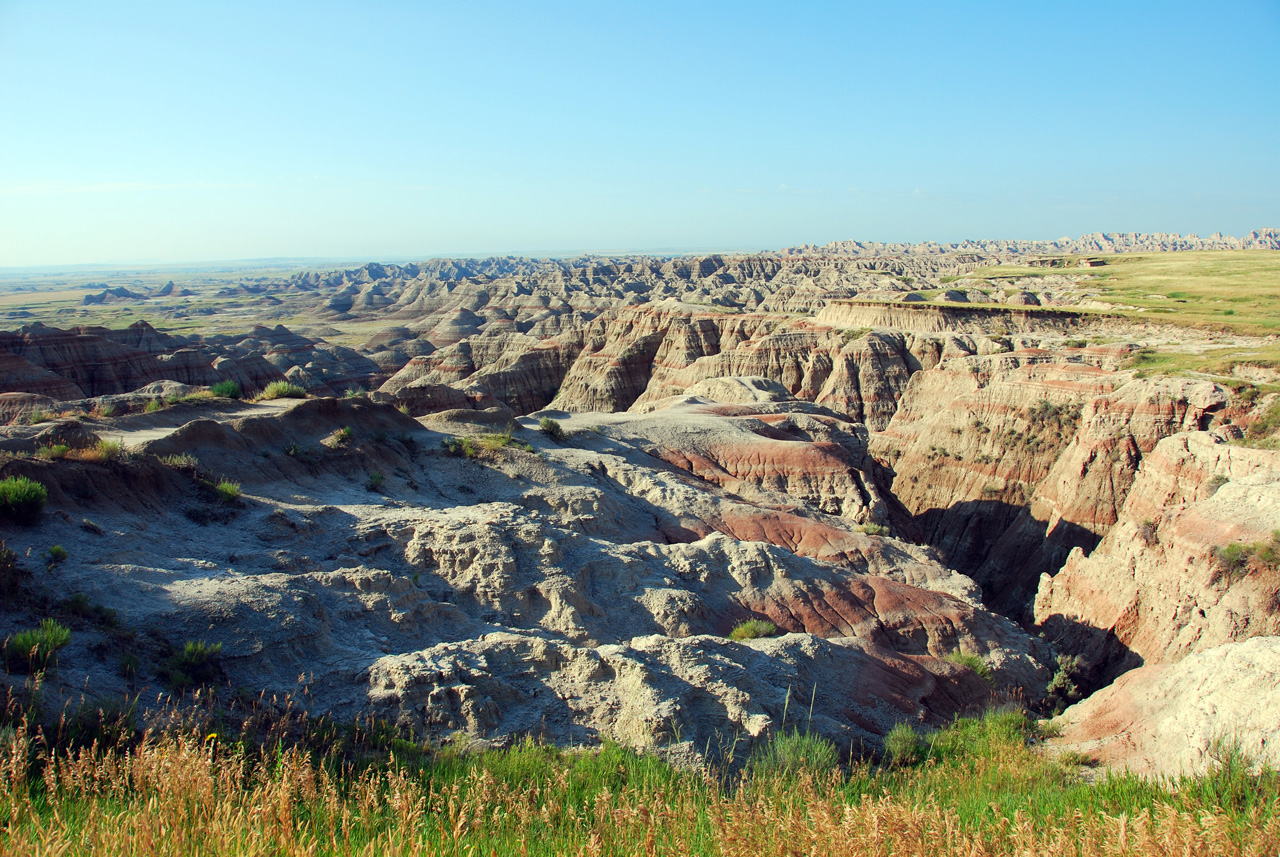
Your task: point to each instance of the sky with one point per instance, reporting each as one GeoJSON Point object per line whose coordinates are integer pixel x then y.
{"type": "Point", "coordinates": [182, 131]}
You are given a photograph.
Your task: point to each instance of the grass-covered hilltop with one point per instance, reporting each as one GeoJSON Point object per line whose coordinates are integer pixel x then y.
{"type": "Point", "coordinates": [855, 549]}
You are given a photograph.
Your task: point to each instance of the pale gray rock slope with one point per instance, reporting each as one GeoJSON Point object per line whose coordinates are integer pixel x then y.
{"type": "Point", "coordinates": [579, 592]}
{"type": "Point", "coordinates": [1178, 719]}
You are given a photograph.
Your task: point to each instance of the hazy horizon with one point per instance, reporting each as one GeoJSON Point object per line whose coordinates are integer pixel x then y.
{"type": "Point", "coordinates": [394, 130]}
{"type": "Point", "coordinates": [291, 261]}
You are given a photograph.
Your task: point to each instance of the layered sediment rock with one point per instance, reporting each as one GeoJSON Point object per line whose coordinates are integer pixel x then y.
{"type": "Point", "coordinates": [1007, 463]}
{"type": "Point", "coordinates": [1157, 587]}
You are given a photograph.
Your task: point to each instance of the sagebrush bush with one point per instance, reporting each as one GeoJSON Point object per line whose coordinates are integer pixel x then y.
{"type": "Point", "coordinates": [753, 628]}
{"type": "Point", "coordinates": [552, 429]}
{"type": "Point", "coordinates": [22, 499]}
{"type": "Point", "coordinates": [34, 650]}
{"type": "Point", "coordinates": [874, 529]}
{"type": "Point", "coordinates": [282, 390]}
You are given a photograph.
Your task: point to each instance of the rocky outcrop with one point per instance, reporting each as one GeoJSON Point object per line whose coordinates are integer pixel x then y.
{"type": "Point", "coordinates": [1008, 462]}
{"type": "Point", "coordinates": [1157, 587]}
{"type": "Point", "coordinates": [19, 407]}
{"type": "Point", "coordinates": [582, 591]}
{"type": "Point", "coordinates": [933, 318]}
{"type": "Point", "coordinates": [22, 376]}
{"type": "Point", "coordinates": [96, 361]}
{"type": "Point", "coordinates": [1184, 718]}
{"type": "Point", "coordinates": [96, 365]}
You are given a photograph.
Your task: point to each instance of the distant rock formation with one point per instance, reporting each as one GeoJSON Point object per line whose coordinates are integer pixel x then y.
{"type": "Point", "coordinates": [1097, 242]}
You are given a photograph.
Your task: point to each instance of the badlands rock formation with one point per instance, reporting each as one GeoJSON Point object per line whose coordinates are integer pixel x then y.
{"type": "Point", "coordinates": [581, 591]}
{"type": "Point", "coordinates": [889, 467]}
{"type": "Point", "coordinates": [1181, 719]}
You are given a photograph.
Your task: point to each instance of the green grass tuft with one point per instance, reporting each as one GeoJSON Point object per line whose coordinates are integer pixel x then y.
{"type": "Point", "coordinates": [22, 499]}
{"type": "Point", "coordinates": [53, 452]}
{"type": "Point", "coordinates": [461, 447]}
{"type": "Point", "coordinates": [752, 629]}
{"type": "Point", "coordinates": [282, 390]}
{"type": "Point", "coordinates": [195, 665]}
{"type": "Point", "coordinates": [35, 650]}
{"type": "Point", "coordinates": [971, 662]}
{"type": "Point", "coordinates": [791, 753]}
{"type": "Point", "coordinates": [226, 390]}
{"type": "Point", "coordinates": [226, 490]}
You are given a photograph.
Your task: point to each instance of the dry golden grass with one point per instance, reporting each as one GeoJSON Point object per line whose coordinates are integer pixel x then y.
{"type": "Point", "coordinates": [193, 794]}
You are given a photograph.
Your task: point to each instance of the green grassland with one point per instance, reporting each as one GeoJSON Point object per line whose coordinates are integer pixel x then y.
{"type": "Point", "coordinates": [1230, 290]}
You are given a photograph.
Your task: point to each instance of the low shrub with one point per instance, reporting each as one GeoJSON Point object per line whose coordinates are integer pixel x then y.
{"type": "Point", "coordinates": [57, 554]}
{"type": "Point", "coordinates": [375, 481]}
{"type": "Point", "coordinates": [752, 629]}
{"type": "Point", "coordinates": [53, 452]}
{"type": "Point", "coordinates": [106, 724]}
{"type": "Point", "coordinates": [1147, 532]}
{"type": "Point", "coordinates": [152, 406]}
{"type": "Point", "coordinates": [35, 650]}
{"type": "Point", "coordinates": [495, 442]}
{"type": "Point", "coordinates": [226, 390]}
{"type": "Point", "coordinates": [190, 398]}
{"type": "Point", "coordinates": [39, 415]}
{"type": "Point", "coordinates": [22, 499]}
{"type": "Point", "coordinates": [128, 665]}
{"type": "Point", "coordinates": [552, 429]}
{"type": "Point", "coordinates": [194, 665]}
{"type": "Point", "coordinates": [282, 390]}
{"type": "Point", "coordinates": [1062, 689]}
{"type": "Point", "coordinates": [875, 529]}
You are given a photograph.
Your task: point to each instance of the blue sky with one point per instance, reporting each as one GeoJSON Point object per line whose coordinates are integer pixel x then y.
{"type": "Point", "coordinates": [180, 131]}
